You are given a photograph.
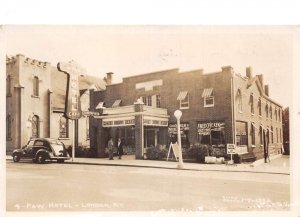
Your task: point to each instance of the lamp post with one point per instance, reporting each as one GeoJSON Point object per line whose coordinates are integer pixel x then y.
{"type": "Point", "coordinates": [178, 115]}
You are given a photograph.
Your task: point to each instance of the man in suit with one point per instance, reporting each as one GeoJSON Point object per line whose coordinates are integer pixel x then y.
{"type": "Point", "coordinates": [120, 148]}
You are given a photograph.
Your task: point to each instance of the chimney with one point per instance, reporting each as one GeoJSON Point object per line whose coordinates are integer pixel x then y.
{"type": "Point", "coordinates": [108, 78]}
{"type": "Point", "coordinates": [267, 90]}
{"type": "Point", "coordinates": [261, 79]}
{"type": "Point", "coordinates": [249, 72]}
{"type": "Point", "coordinates": [227, 69]}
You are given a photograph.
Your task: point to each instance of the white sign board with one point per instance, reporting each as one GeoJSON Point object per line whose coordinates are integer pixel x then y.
{"type": "Point", "coordinates": [231, 148]}
{"type": "Point", "coordinates": [176, 150]}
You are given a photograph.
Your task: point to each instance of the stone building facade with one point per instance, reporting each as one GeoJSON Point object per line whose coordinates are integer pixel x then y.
{"type": "Point", "coordinates": [218, 108]}
{"type": "Point", "coordinates": [35, 94]}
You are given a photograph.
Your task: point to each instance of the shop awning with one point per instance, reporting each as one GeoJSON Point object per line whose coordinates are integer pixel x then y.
{"type": "Point", "coordinates": [100, 105]}
{"type": "Point", "coordinates": [182, 95]}
{"type": "Point", "coordinates": [116, 103]}
{"type": "Point", "coordinates": [256, 127]}
{"type": "Point", "coordinates": [207, 92]}
{"type": "Point", "coordinates": [264, 128]}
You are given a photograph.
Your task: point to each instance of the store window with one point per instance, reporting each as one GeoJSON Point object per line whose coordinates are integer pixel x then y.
{"type": "Point", "coordinates": [8, 127]}
{"type": "Point", "coordinates": [241, 133]}
{"type": "Point", "coordinates": [63, 127]}
{"type": "Point", "coordinates": [35, 86]}
{"type": "Point", "coordinates": [259, 106]}
{"type": "Point", "coordinates": [277, 135]}
{"type": "Point", "coordinates": [239, 100]}
{"type": "Point", "coordinates": [208, 96]}
{"type": "Point", "coordinates": [35, 123]}
{"type": "Point", "coordinates": [252, 134]}
{"type": "Point", "coordinates": [184, 132]}
{"type": "Point", "coordinates": [260, 135]}
{"type": "Point", "coordinates": [252, 103]}
{"type": "Point", "coordinates": [87, 128]}
{"type": "Point", "coordinates": [211, 133]}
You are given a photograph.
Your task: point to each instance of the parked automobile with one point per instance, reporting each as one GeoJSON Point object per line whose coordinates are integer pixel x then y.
{"type": "Point", "coordinates": [42, 149]}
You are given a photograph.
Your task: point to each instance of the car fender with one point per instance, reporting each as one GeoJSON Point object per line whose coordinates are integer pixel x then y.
{"type": "Point", "coordinates": [18, 151]}
{"type": "Point", "coordinates": [44, 151]}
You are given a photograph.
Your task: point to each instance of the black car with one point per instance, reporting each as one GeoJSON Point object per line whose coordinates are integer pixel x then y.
{"type": "Point", "coordinates": [42, 149]}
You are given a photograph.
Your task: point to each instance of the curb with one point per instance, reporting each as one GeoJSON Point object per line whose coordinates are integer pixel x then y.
{"type": "Point", "coordinates": [171, 168]}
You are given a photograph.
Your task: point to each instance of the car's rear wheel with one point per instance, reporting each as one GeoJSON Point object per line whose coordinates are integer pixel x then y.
{"type": "Point", "coordinates": [16, 157]}
{"type": "Point", "coordinates": [40, 158]}
{"type": "Point", "coordinates": [60, 161]}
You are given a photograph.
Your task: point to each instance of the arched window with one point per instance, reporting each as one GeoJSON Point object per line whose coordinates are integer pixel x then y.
{"type": "Point", "coordinates": [260, 135]}
{"type": "Point", "coordinates": [259, 106]}
{"type": "Point", "coordinates": [252, 103]}
{"type": "Point", "coordinates": [239, 100]}
{"type": "Point", "coordinates": [272, 135]}
{"type": "Point", "coordinates": [8, 85]}
{"type": "Point", "coordinates": [63, 127]}
{"type": "Point", "coordinates": [35, 124]}
{"type": "Point", "coordinates": [276, 114]}
{"type": "Point", "coordinates": [267, 111]}
{"type": "Point", "coordinates": [271, 114]}
{"type": "Point", "coordinates": [36, 86]}
{"type": "Point", "coordinates": [8, 127]}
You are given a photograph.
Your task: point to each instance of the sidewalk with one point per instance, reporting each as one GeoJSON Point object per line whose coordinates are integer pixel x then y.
{"type": "Point", "coordinates": [276, 166]}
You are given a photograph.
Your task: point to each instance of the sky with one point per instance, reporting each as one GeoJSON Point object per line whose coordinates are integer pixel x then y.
{"type": "Point", "coordinates": [131, 50]}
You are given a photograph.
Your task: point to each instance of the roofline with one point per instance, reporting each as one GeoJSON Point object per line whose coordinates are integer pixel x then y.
{"type": "Point", "coordinates": [166, 70]}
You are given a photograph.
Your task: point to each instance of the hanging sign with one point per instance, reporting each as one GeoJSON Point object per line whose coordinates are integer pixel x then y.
{"type": "Point", "coordinates": [72, 100]}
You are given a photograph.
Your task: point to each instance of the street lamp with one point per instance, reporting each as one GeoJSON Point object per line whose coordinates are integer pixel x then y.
{"type": "Point", "coordinates": [178, 115]}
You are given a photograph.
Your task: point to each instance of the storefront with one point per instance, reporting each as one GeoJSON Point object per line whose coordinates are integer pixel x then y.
{"type": "Point", "coordinates": [138, 126]}
{"type": "Point", "coordinates": [184, 132]}
{"type": "Point", "coordinates": [211, 133]}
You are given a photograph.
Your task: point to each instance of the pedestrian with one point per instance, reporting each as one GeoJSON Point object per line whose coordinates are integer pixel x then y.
{"type": "Point", "coordinates": [110, 146]}
{"type": "Point", "coordinates": [120, 147]}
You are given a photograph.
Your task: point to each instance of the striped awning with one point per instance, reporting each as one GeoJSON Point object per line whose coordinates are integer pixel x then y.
{"type": "Point", "coordinates": [207, 92]}
{"type": "Point", "coordinates": [256, 127]}
{"type": "Point", "coordinates": [264, 128]}
{"type": "Point", "coordinates": [116, 103]}
{"type": "Point", "coordinates": [182, 95]}
{"type": "Point", "coordinates": [100, 105]}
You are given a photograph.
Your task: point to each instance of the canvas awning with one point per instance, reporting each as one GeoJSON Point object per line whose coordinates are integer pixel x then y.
{"type": "Point", "coordinates": [256, 127]}
{"type": "Point", "coordinates": [207, 92]}
{"type": "Point", "coordinates": [182, 95]}
{"type": "Point", "coordinates": [116, 103]}
{"type": "Point", "coordinates": [100, 105]}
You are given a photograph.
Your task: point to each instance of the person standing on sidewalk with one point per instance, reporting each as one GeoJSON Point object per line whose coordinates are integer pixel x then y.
{"type": "Point", "coordinates": [120, 148]}
{"type": "Point", "coordinates": [110, 146]}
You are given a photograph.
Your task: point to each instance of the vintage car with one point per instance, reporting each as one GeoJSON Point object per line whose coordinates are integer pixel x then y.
{"type": "Point", "coordinates": [42, 149]}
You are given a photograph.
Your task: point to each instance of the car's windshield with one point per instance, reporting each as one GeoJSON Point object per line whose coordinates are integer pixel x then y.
{"type": "Point", "coordinates": [57, 146]}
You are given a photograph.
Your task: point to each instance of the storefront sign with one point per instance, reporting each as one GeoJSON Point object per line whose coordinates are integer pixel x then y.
{"type": "Point", "coordinates": [72, 102]}
{"type": "Point", "coordinates": [183, 127]}
{"type": "Point", "coordinates": [155, 121]}
{"type": "Point", "coordinates": [231, 149]}
{"type": "Point", "coordinates": [89, 113]}
{"type": "Point", "coordinates": [206, 128]}
{"type": "Point", "coordinates": [110, 122]}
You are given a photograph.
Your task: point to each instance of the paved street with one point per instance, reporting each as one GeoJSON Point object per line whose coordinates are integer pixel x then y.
{"type": "Point", "coordinates": [73, 187]}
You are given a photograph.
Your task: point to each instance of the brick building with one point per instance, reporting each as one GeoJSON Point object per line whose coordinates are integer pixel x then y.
{"type": "Point", "coordinates": [217, 109]}
{"type": "Point", "coordinates": [35, 99]}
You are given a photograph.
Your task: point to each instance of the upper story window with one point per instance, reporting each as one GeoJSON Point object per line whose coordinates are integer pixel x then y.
{"type": "Point", "coordinates": [239, 100]}
{"type": "Point", "coordinates": [87, 128]}
{"type": "Point", "coordinates": [208, 95]}
{"type": "Point", "coordinates": [259, 106]}
{"type": "Point", "coordinates": [260, 135]}
{"type": "Point", "coordinates": [8, 85]}
{"type": "Point", "coordinates": [35, 124]}
{"type": "Point", "coordinates": [252, 103]}
{"type": "Point", "coordinates": [271, 114]}
{"type": "Point", "coordinates": [158, 101]}
{"type": "Point", "coordinates": [63, 127]}
{"type": "Point", "coordinates": [147, 100]}
{"type": "Point", "coordinates": [267, 111]}
{"type": "Point", "coordinates": [252, 134]}
{"type": "Point", "coordinates": [276, 117]}
{"type": "Point", "coordinates": [35, 86]}
{"type": "Point", "coordinates": [279, 115]}
{"type": "Point", "coordinates": [183, 97]}
{"type": "Point", "coordinates": [272, 135]}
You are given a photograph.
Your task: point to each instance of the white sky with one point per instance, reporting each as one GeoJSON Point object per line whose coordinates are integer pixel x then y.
{"type": "Point", "coordinates": [131, 50]}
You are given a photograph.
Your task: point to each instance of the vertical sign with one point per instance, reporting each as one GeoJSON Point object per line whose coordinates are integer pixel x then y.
{"type": "Point", "coordinates": [72, 101]}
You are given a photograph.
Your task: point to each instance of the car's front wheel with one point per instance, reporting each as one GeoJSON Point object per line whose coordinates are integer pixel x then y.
{"type": "Point", "coordinates": [40, 158]}
{"type": "Point", "coordinates": [16, 157]}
